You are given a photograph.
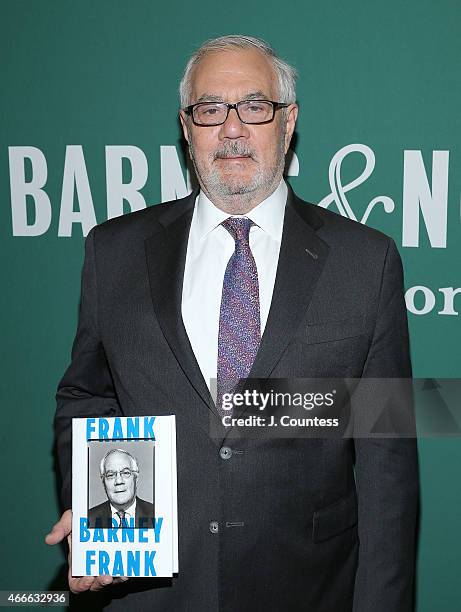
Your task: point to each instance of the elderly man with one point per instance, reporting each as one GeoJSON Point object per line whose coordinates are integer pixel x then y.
{"type": "Point", "coordinates": [119, 473]}
{"type": "Point", "coordinates": [243, 279]}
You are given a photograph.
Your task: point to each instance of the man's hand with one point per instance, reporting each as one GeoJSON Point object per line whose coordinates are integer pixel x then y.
{"type": "Point", "coordinates": [63, 529]}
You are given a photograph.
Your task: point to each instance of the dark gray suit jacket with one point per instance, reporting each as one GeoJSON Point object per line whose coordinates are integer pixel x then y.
{"type": "Point", "coordinates": [302, 524]}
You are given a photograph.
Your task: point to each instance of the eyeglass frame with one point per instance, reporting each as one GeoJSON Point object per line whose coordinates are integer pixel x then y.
{"type": "Point", "coordinates": [189, 110]}
{"type": "Point", "coordinates": [119, 472]}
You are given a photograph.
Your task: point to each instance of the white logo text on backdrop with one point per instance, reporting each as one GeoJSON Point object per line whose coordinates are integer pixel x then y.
{"type": "Point", "coordinates": [422, 198]}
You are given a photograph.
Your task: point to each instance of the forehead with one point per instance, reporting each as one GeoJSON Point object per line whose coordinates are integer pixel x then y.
{"type": "Point", "coordinates": [233, 74]}
{"type": "Point", "coordinates": [117, 460]}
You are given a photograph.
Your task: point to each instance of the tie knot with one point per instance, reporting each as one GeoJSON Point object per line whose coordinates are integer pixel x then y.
{"type": "Point", "coordinates": [238, 228]}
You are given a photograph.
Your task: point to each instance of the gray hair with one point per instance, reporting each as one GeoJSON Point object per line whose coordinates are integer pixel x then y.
{"type": "Point", "coordinates": [134, 461]}
{"type": "Point", "coordinates": [286, 74]}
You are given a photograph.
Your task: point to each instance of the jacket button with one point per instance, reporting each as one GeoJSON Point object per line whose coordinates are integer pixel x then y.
{"type": "Point", "coordinates": [214, 527]}
{"type": "Point", "coordinates": [225, 452]}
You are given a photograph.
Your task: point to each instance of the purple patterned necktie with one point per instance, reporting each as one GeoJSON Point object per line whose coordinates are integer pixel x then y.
{"type": "Point", "coordinates": [239, 320]}
{"type": "Point", "coordinates": [121, 515]}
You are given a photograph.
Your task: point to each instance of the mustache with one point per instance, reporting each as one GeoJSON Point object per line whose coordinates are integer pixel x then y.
{"type": "Point", "coordinates": [233, 149]}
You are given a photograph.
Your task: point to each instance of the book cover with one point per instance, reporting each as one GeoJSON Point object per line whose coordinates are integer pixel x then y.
{"type": "Point", "coordinates": [124, 496]}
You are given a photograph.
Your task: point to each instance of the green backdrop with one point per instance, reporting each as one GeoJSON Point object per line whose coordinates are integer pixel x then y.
{"type": "Point", "coordinates": [80, 79]}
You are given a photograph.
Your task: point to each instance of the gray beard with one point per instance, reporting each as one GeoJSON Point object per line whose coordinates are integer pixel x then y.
{"type": "Point", "coordinates": [236, 196]}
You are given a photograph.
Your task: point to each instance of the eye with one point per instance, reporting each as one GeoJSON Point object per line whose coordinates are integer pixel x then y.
{"type": "Point", "coordinates": [210, 109]}
{"type": "Point", "coordinates": [255, 108]}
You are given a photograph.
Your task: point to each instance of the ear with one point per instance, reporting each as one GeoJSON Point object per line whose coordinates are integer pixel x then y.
{"type": "Point", "coordinates": [292, 115]}
{"type": "Point", "coordinates": [184, 124]}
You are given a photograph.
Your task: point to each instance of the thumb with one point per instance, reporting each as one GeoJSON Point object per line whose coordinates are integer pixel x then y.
{"type": "Point", "coordinates": [61, 529]}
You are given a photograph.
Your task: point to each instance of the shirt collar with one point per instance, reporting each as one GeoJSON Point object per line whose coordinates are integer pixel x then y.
{"type": "Point", "coordinates": [268, 215]}
{"type": "Point", "coordinates": [129, 512]}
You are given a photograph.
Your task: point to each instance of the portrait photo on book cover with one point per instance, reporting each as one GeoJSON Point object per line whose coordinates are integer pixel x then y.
{"type": "Point", "coordinates": [121, 483]}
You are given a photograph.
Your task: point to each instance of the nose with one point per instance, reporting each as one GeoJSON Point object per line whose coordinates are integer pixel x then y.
{"type": "Point", "coordinates": [233, 127]}
{"type": "Point", "coordinates": [119, 478]}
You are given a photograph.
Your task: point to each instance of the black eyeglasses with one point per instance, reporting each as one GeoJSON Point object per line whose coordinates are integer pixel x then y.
{"type": "Point", "coordinates": [253, 112]}
{"type": "Point", "coordinates": [125, 473]}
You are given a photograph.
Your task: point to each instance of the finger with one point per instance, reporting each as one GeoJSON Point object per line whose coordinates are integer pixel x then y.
{"type": "Point", "coordinates": [103, 581]}
{"type": "Point", "coordinates": [61, 529]}
{"type": "Point", "coordinates": [100, 582]}
{"type": "Point", "coordinates": [80, 585]}
{"type": "Point", "coordinates": [56, 535]}
{"type": "Point", "coordinates": [92, 583]}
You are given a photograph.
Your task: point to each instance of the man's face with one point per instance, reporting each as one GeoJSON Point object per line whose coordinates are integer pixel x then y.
{"type": "Point", "coordinates": [237, 162]}
{"type": "Point", "coordinates": [120, 490]}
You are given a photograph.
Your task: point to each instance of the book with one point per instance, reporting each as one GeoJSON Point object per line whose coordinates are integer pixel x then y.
{"type": "Point", "coordinates": [124, 496]}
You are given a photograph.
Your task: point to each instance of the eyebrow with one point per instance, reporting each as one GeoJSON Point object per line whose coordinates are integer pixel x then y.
{"type": "Point", "coordinates": [253, 95]}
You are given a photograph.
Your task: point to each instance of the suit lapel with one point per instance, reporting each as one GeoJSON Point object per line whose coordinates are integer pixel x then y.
{"type": "Point", "coordinates": [301, 260]}
{"type": "Point", "coordinates": [166, 257]}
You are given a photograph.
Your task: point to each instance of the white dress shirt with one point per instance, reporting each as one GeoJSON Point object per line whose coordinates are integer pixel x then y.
{"type": "Point", "coordinates": [130, 513]}
{"type": "Point", "coordinates": [209, 249]}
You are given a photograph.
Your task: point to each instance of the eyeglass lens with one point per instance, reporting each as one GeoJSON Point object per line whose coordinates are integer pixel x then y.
{"type": "Point", "coordinates": [251, 111]}
{"type": "Point", "coordinates": [125, 473]}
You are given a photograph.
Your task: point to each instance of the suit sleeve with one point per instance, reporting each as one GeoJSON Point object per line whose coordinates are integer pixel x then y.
{"type": "Point", "coordinates": [386, 469]}
{"type": "Point", "coordinates": [86, 389]}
